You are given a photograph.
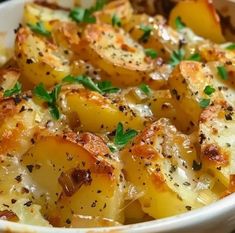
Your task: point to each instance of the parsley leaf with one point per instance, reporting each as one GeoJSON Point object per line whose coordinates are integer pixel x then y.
{"type": "Point", "coordinates": [147, 32]}
{"type": "Point", "coordinates": [81, 15]}
{"type": "Point", "coordinates": [106, 87]}
{"type": "Point", "coordinates": [145, 89]}
{"type": "Point", "coordinates": [39, 28]}
{"type": "Point", "coordinates": [195, 57]}
{"type": "Point", "coordinates": [49, 97]}
{"type": "Point", "coordinates": [177, 57]}
{"type": "Point", "coordinates": [122, 138]}
{"type": "Point", "coordinates": [151, 53]}
{"type": "Point", "coordinates": [179, 24]}
{"type": "Point", "coordinates": [231, 46]}
{"type": "Point", "coordinates": [116, 21]}
{"type": "Point", "coordinates": [209, 90]}
{"type": "Point", "coordinates": [223, 73]}
{"type": "Point", "coordinates": [101, 87]}
{"type": "Point", "coordinates": [15, 90]}
{"type": "Point", "coordinates": [204, 103]}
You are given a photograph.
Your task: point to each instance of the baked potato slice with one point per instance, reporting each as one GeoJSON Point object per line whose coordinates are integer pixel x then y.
{"type": "Point", "coordinates": [81, 105]}
{"type": "Point", "coordinates": [34, 13]}
{"type": "Point", "coordinates": [39, 60]}
{"type": "Point", "coordinates": [162, 38]}
{"type": "Point", "coordinates": [84, 179]}
{"type": "Point", "coordinates": [187, 84]}
{"type": "Point", "coordinates": [122, 9]}
{"type": "Point", "coordinates": [160, 164]}
{"type": "Point", "coordinates": [216, 129]}
{"type": "Point", "coordinates": [188, 12]}
{"type": "Point", "coordinates": [113, 51]}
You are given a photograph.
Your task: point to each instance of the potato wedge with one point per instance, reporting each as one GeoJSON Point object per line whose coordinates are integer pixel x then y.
{"type": "Point", "coordinates": [116, 53]}
{"type": "Point", "coordinates": [79, 169]}
{"type": "Point", "coordinates": [34, 13]}
{"type": "Point", "coordinates": [187, 84]}
{"type": "Point", "coordinates": [163, 159]}
{"type": "Point", "coordinates": [82, 105]}
{"type": "Point", "coordinates": [189, 13]}
{"type": "Point", "coordinates": [217, 143]}
{"type": "Point", "coordinates": [39, 60]}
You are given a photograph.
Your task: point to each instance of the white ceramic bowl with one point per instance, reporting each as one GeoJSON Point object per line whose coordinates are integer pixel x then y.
{"type": "Point", "coordinates": [215, 218]}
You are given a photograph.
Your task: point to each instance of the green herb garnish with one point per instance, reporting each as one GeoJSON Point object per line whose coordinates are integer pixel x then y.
{"type": "Point", "coordinates": [101, 87]}
{"type": "Point", "coordinates": [195, 57]}
{"type": "Point", "coordinates": [39, 28]}
{"type": "Point", "coordinates": [223, 73]}
{"type": "Point", "coordinates": [147, 32]}
{"type": "Point", "coordinates": [179, 24]}
{"type": "Point", "coordinates": [151, 53]}
{"type": "Point", "coordinates": [15, 90]}
{"type": "Point", "coordinates": [204, 103]}
{"type": "Point", "coordinates": [49, 97]}
{"type": "Point", "coordinates": [81, 15]}
{"type": "Point", "coordinates": [116, 21]}
{"type": "Point", "coordinates": [122, 138]}
{"type": "Point", "coordinates": [209, 90]}
{"type": "Point", "coordinates": [177, 57]}
{"type": "Point", "coordinates": [145, 89]}
{"type": "Point", "coordinates": [230, 47]}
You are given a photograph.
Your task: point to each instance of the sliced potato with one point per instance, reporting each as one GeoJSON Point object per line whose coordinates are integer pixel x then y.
{"type": "Point", "coordinates": [39, 60]}
{"type": "Point", "coordinates": [116, 53]}
{"type": "Point", "coordinates": [187, 84]}
{"type": "Point", "coordinates": [79, 169]}
{"type": "Point", "coordinates": [122, 9]}
{"type": "Point", "coordinates": [82, 105]}
{"type": "Point", "coordinates": [34, 13]}
{"type": "Point", "coordinates": [189, 10]}
{"type": "Point", "coordinates": [217, 142]}
{"type": "Point", "coordinates": [159, 163]}
{"type": "Point", "coordinates": [162, 38]}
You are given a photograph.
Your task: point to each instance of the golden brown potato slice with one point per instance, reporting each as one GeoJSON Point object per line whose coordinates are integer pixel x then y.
{"type": "Point", "coordinates": [122, 9]}
{"type": "Point", "coordinates": [39, 60]}
{"type": "Point", "coordinates": [160, 164]}
{"type": "Point", "coordinates": [90, 111]}
{"type": "Point", "coordinates": [83, 177]}
{"type": "Point", "coordinates": [187, 84]}
{"type": "Point", "coordinates": [216, 128]}
{"type": "Point", "coordinates": [34, 13]}
{"type": "Point", "coordinates": [189, 13]}
{"type": "Point", "coordinates": [116, 53]}
{"type": "Point", "coordinates": [162, 38]}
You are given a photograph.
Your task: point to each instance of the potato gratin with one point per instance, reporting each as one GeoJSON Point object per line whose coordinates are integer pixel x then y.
{"type": "Point", "coordinates": [110, 117]}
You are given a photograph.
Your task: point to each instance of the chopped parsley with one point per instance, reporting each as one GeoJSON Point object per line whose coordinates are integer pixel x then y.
{"type": "Point", "coordinates": [39, 28]}
{"type": "Point", "coordinates": [145, 89]}
{"type": "Point", "coordinates": [209, 90]}
{"type": "Point", "coordinates": [151, 53]}
{"type": "Point", "coordinates": [116, 21]}
{"type": "Point", "coordinates": [147, 32]}
{"type": "Point", "coordinates": [179, 24]}
{"type": "Point", "coordinates": [15, 90]}
{"type": "Point", "coordinates": [223, 73]}
{"type": "Point", "coordinates": [122, 138]}
{"type": "Point", "coordinates": [204, 103]}
{"type": "Point", "coordinates": [49, 97]}
{"type": "Point", "coordinates": [230, 47]}
{"type": "Point", "coordinates": [195, 57]}
{"type": "Point", "coordinates": [81, 15]}
{"type": "Point", "coordinates": [101, 87]}
{"type": "Point", "coordinates": [177, 57]}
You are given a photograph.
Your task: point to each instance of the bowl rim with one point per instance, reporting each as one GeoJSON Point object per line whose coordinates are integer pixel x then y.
{"type": "Point", "coordinates": [182, 221]}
